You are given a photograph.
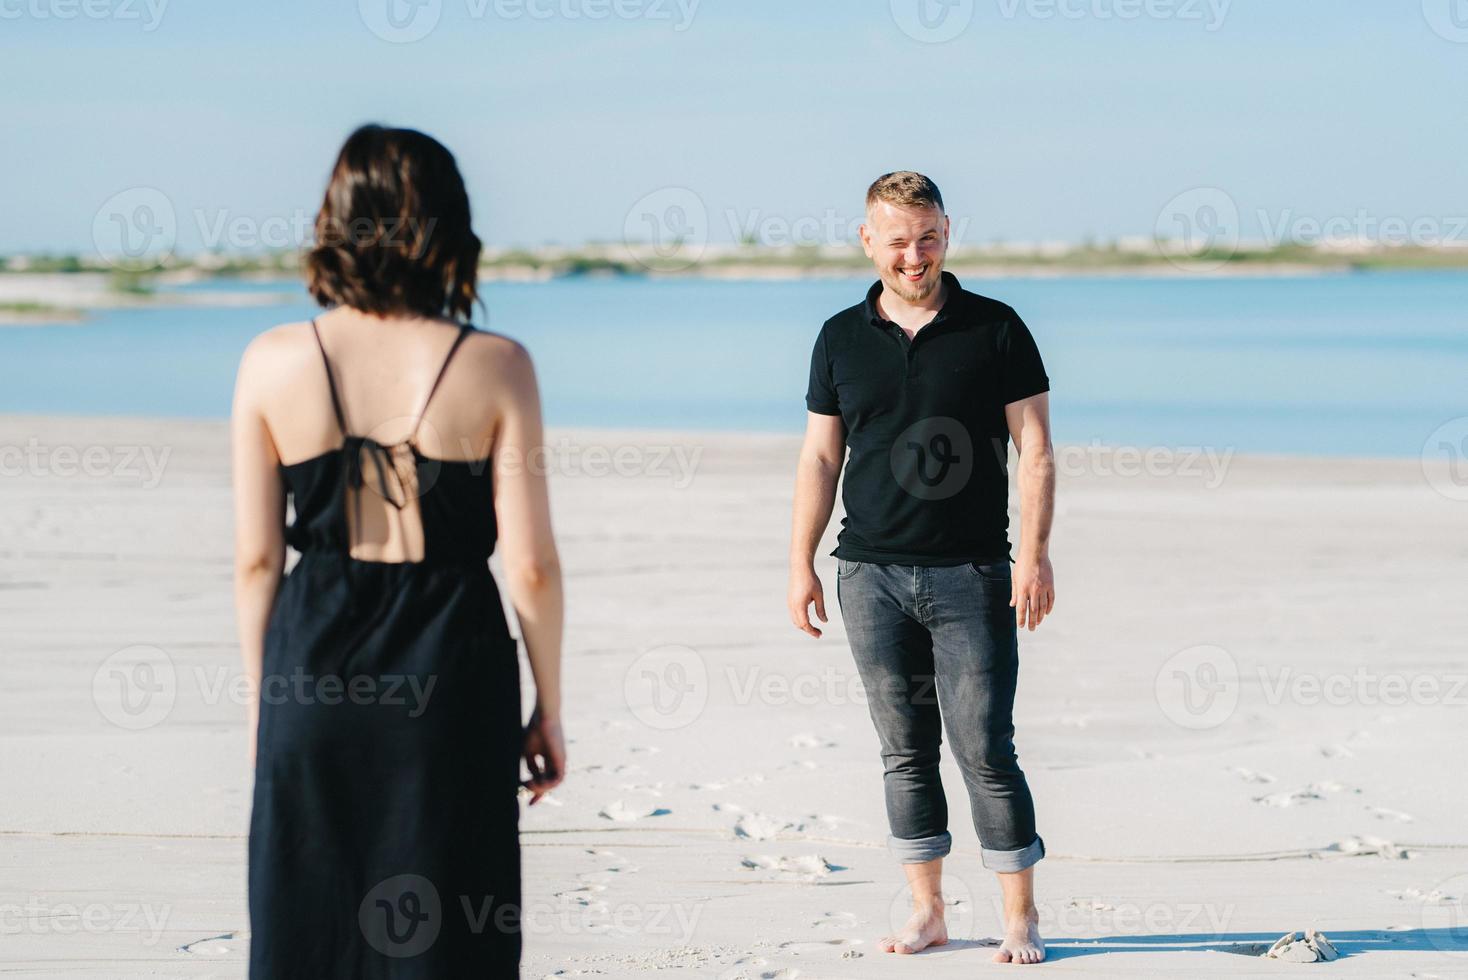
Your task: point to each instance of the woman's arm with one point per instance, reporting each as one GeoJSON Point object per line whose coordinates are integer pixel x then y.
{"type": "Point", "coordinates": [532, 567]}
{"type": "Point", "coordinates": [259, 526]}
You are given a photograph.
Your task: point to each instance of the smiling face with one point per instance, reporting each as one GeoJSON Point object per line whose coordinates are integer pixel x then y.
{"type": "Point", "coordinates": [907, 245]}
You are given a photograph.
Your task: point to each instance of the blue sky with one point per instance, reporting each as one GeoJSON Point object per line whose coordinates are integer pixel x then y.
{"type": "Point", "coordinates": [1041, 119]}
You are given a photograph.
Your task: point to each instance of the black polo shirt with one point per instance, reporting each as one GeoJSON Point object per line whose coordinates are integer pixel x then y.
{"type": "Point", "coordinates": [926, 481]}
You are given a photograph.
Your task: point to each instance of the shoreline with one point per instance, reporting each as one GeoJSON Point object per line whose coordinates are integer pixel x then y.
{"type": "Point", "coordinates": [68, 298]}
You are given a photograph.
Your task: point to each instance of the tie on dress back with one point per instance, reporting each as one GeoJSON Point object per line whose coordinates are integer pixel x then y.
{"type": "Point", "coordinates": [384, 520]}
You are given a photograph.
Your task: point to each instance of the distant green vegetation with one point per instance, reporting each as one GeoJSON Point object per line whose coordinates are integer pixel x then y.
{"type": "Point", "coordinates": [130, 283]}
{"type": "Point", "coordinates": [39, 311]}
{"type": "Point", "coordinates": [47, 263]}
{"type": "Point", "coordinates": [616, 259]}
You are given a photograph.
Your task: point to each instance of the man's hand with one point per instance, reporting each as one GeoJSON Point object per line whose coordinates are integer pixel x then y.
{"type": "Point", "coordinates": [1033, 595]}
{"type": "Point", "coordinates": [805, 588]}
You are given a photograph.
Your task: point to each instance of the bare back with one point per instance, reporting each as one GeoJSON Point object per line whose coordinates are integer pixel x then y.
{"type": "Point", "coordinates": [402, 401]}
{"type": "Point", "coordinates": [383, 372]}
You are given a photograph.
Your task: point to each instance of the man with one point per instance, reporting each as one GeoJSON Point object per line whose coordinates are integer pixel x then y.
{"type": "Point", "coordinates": [925, 383]}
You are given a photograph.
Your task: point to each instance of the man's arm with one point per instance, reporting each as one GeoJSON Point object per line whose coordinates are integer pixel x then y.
{"type": "Point", "coordinates": [815, 497]}
{"type": "Point", "coordinates": [1034, 579]}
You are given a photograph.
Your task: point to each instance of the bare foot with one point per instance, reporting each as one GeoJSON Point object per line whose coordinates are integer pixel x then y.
{"type": "Point", "coordinates": [1022, 943]}
{"type": "Point", "coordinates": [925, 928]}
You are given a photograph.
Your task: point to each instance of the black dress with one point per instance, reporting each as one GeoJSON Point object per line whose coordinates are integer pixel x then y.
{"type": "Point", "coordinates": [384, 834]}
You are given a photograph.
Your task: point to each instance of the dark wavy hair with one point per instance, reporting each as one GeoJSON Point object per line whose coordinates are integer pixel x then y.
{"type": "Point", "coordinates": [393, 236]}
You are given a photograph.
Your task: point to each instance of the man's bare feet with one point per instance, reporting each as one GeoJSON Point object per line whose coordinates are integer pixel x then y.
{"type": "Point", "coordinates": [1022, 943]}
{"type": "Point", "coordinates": [925, 928]}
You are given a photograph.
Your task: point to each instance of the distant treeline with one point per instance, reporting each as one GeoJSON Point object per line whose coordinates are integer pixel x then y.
{"type": "Point", "coordinates": [639, 260]}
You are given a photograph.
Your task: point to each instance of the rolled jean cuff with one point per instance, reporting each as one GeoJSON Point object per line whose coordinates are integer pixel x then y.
{"type": "Point", "coordinates": [1011, 861]}
{"type": "Point", "coordinates": [920, 849]}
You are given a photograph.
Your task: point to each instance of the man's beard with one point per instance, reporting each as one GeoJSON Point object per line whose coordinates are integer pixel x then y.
{"type": "Point", "coordinates": [916, 294]}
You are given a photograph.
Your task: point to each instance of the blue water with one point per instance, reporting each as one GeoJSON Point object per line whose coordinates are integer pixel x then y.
{"type": "Point", "coordinates": [1366, 364]}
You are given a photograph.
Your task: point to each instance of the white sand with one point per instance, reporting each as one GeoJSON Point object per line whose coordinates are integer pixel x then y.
{"type": "Point", "coordinates": [748, 841]}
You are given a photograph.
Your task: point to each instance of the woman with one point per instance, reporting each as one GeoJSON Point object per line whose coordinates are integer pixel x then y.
{"type": "Point", "coordinates": [386, 731]}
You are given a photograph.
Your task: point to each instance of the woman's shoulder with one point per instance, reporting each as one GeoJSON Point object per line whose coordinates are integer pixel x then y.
{"type": "Point", "coordinates": [284, 339]}
{"type": "Point", "coordinates": [497, 352]}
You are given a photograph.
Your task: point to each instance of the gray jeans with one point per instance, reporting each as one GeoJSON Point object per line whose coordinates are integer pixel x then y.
{"type": "Point", "coordinates": [925, 637]}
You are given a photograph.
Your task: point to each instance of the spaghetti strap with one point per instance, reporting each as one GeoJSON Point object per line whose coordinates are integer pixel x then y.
{"type": "Point", "coordinates": [336, 404]}
{"type": "Point", "coordinates": [464, 331]}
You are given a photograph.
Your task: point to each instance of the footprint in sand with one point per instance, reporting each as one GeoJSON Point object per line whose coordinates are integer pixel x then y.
{"type": "Point", "coordinates": [1330, 786]}
{"type": "Point", "coordinates": [1296, 798]}
{"type": "Point", "coordinates": [584, 899]}
{"type": "Point", "coordinates": [807, 867]}
{"type": "Point", "coordinates": [1250, 776]}
{"type": "Point", "coordinates": [1365, 846]}
{"type": "Point", "coordinates": [1435, 897]}
{"type": "Point", "coordinates": [1382, 813]}
{"type": "Point", "coordinates": [652, 789]}
{"type": "Point", "coordinates": [756, 968]}
{"type": "Point", "coordinates": [1082, 905]}
{"type": "Point", "coordinates": [835, 920]}
{"type": "Point", "coordinates": [824, 821]}
{"type": "Point", "coordinates": [759, 826]}
{"type": "Point", "coordinates": [809, 740]}
{"type": "Point", "coordinates": [823, 947]}
{"type": "Point", "coordinates": [606, 874]}
{"type": "Point", "coordinates": [623, 812]}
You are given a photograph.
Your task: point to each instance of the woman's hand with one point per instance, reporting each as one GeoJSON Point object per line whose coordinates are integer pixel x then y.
{"type": "Point", "coordinates": [252, 731]}
{"type": "Point", "coordinates": [545, 755]}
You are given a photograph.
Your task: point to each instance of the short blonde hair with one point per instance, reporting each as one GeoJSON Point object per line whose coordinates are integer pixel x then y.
{"type": "Point", "coordinates": [904, 189]}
